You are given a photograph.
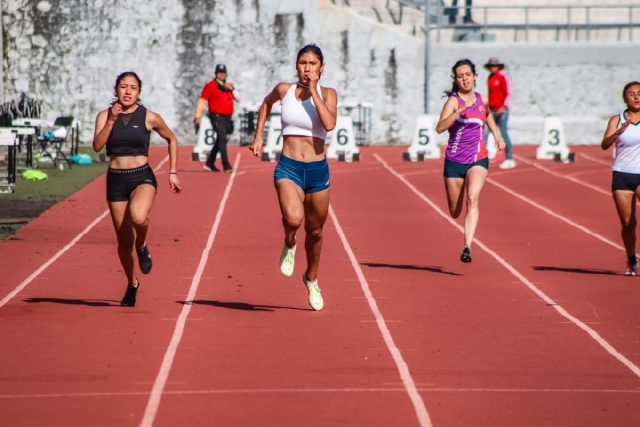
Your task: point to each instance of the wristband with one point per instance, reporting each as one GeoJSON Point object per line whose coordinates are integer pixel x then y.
{"type": "Point", "coordinates": [173, 173]}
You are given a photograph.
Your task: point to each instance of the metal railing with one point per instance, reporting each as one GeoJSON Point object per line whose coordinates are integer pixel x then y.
{"type": "Point", "coordinates": [575, 18]}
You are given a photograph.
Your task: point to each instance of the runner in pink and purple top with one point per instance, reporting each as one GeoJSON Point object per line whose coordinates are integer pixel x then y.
{"type": "Point", "coordinates": [466, 164]}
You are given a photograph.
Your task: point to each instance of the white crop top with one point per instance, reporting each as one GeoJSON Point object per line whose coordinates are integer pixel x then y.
{"type": "Point", "coordinates": [627, 148]}
{"type": "Point", "coordinates": [301, 117]}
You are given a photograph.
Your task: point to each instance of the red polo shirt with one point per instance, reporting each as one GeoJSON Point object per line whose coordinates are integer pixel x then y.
{"type": "Point", "coordinates": [499, 88]}
{"type": "Point", "coordinates": [220, 101]}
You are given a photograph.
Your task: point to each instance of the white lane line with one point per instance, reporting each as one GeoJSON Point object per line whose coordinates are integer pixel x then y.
{"type": "Point", "coordinates": [602, 162]}
{"type": "Point", "coordinates": [317, 390]}
{"type": "Point", "coordinates": [405, 375]}
{"type": "Point", "coordinates": [585, 172]}
{"type": "Point", "coordinates": [570, 178]}
{"type": "Point", "coordinates": [61, 252]}
{"type": "Point", "coordinates": [511, 171]}
{"type": "Point", "coordinates": [421, 172]}
{"type": "Point", "coordinates": [161, 380]}
{"type": "Point", "coordinates": [355, 170]}
{"type": "Point", "coordinates": [596, 160]}
{"type": "Point", "coordinates": [555, 215]}
{"type": "Point", "coordinates": [388, 321]}
{"type": "Point", "coordinates": [612, 351]}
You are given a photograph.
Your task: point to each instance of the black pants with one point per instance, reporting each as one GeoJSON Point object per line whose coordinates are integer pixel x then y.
{"type": "Point", "coordinates": [453, 11]}
{"type": "Point", "coordinates": [223, 126]}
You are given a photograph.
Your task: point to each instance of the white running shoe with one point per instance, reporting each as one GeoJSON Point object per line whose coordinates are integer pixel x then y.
{"type": "Point", "coordinates": [508, 164]}
{"type": "Point", "coordinates": [315, 299]}
{"type": "Point", "coordinates": [631, 270]}
{"type": "Point", "coordinates": [287, 260]}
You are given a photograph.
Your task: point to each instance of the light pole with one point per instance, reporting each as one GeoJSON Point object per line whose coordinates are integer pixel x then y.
{"type": "Point", "coordinates": [1, 57]}
{"type": "Point", "coordinates": [427, 51]}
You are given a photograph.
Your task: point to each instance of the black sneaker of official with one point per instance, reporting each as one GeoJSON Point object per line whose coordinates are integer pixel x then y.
{"type": "Point", "coordinates": [129, 299]}
{"type": "Point", "coordinates": [228, 169]}
{"type": "Point", "coordinates": [144, 259]}
{"type": "Point", "coordinates": [211, 168]}
{"type": "Point", "coordinates": [466, 254]}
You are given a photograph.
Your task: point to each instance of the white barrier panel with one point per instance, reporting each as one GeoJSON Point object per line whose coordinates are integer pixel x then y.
{"type": "Point", "coordinates": [553, 140]}
{"type": "Point", "coordinates": [206, 139]}
{"type": "Point", "coordinates": [26, 121]}
{"type": "Point", "coordinates": [423, 143]}
{"type": "Point", "coordinates": [491, 146]}
{"type": "Point", "coordinates": [273, 147]}
{"type": "Point", "coordinates": [18, 130]}
{"type": "Point", "coordinates": [342, 141]}
{"type": "Point", "coordinates": [8, 140]}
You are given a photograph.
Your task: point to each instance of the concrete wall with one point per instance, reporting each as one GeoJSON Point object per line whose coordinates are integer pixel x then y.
{"type": "Point", "coordinates": [68, 55]}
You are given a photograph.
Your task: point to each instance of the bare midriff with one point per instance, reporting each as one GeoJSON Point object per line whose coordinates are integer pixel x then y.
{"type": "Point", "coordinates": [303, 148]}
{"type": "Point", "coordinates": [127, 162]}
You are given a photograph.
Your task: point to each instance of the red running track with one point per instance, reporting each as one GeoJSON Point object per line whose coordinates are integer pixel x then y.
{"type": "Point", "coordinates": [540, 329]}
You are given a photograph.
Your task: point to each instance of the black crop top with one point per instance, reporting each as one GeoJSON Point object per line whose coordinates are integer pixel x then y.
{"type": "Point", "coordinates": [129, 136]}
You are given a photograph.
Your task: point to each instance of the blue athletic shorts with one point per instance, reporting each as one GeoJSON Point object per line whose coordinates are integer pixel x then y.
{"type": "Point", "coordinates": [454, 169]}
{"type": "Point", "coordinates": [310, 176]}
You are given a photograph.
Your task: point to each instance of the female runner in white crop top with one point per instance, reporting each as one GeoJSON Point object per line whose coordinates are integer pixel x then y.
{"type": "Point", "coordinates": [302, 174]}
{"type": "Point", "coordinates": [624, 131]}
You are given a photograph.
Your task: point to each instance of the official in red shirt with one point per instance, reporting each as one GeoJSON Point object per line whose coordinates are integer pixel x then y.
{"type": "Point", "coordinates": [499, 88]}
{"type": "Point", "coordinates": [218, 95]}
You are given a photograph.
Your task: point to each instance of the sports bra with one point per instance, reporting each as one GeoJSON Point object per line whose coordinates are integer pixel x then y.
{"type": "Point", "coordinates": [130, 137]}
{"type": "Point", "coordinates": [301, 117]}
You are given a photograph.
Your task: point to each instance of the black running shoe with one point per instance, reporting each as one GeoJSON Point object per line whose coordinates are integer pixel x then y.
{"type": "Point", "coordinates": [466, 254]}
{"type": "Point", "coordinates": [129, 299]}
{"type": "Point", "coordinates": [144, 259]}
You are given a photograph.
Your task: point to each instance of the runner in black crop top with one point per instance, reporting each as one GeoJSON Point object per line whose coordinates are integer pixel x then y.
{"type": "Point", "coordinates": [130, 136]}
{"type": "Point", "coordinates": [124, 129]}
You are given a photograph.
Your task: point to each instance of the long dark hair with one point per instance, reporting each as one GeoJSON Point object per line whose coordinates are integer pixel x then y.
{"type": "Point", "coordinates": [313, 49]}
{"type": "Point", "coordinates": [626, 88]}
{"type": "Point", "coordinates": [119, 79]}
{"type": "Point", "coordinates": [454, 87]}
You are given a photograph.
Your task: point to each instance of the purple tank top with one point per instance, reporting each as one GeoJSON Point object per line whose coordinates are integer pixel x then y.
{"type": "Point", "coordinates": [466, 134]}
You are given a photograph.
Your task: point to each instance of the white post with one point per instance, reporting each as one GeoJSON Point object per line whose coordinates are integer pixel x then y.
{"type": "Point", "coordinates": [342, 141]}
{"type": "Point", "coordinates": [206, 139]}
{"type": "Point", "coordinates": [423, 143]}
{"type": "Point", "coordinates": [491, 146]}
{"type": "Point", "coordinates": [273, 146]}
{"type": "Point", "coordinates": [553, 140]}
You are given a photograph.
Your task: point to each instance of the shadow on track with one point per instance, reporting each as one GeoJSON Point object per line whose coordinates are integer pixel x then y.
{"type": "Point", "coordinates": [576, 270]}
{"type": "Point", "coordinates": [410, 267]}
{"type": "Point", "coordinates": [87, 302]}
{"type": "Point", "coordinates": [241, 305]}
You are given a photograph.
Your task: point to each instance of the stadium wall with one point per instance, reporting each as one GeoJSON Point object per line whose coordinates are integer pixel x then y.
{"type": "Point", "coordinates": [68, 53]}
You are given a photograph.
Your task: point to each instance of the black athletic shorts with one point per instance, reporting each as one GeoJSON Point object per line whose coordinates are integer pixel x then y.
{"type": "Point", "coordinates": [453, 169]}
{"type": "Point", "coordinates": [122, 182]}
{"type": "Point", "coordinates": [625, 181]}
